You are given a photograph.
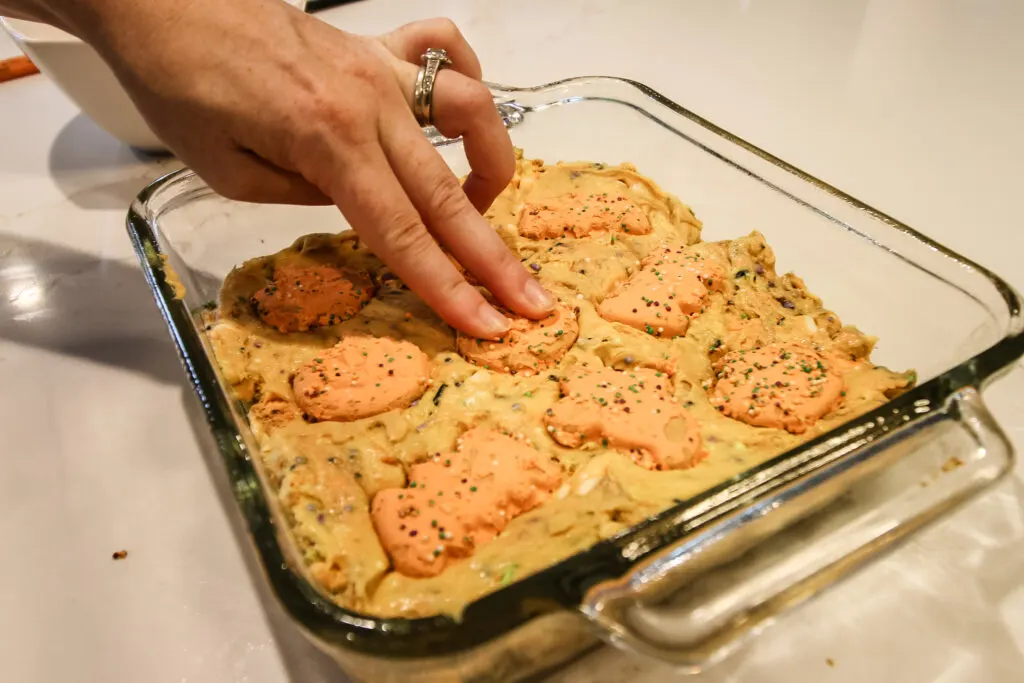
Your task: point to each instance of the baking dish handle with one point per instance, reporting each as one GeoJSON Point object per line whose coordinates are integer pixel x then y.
{"type": "Point", "coordinates": [694, 602]}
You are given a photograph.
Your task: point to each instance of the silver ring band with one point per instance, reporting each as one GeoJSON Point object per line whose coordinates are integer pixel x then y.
{"type": "Point", "coordinates": [432, 61]}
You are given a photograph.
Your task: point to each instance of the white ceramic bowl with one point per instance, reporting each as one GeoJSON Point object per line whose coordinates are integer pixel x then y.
{"type": "Point", "coordinates": [85, 78]}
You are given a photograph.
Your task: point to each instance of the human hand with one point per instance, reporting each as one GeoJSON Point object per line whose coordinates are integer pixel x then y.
{"type": "Point", "coordinates": [268, 104]}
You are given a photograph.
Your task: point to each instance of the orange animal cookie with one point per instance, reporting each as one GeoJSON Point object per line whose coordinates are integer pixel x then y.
{"type": "Point", "coordinates": [529, 345]}
{"type": "Point", "coordinates": [579, 215]}
{"type": "Point", "coordinates": [783, 386]}
{"type": "Point", "coordinates": [302, 298]}
{"type": "Point", "coordinates": [671, 285]}
{"type": "Point", "coordinates": [361, 376]}
{"type": "Point", "coordinates": [457, 501]}
{"type": "Point", "coordinates": [632, 411]}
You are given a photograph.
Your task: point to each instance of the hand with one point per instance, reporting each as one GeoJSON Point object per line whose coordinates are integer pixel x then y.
{"type": "Point", "coordinates": [268, 104]}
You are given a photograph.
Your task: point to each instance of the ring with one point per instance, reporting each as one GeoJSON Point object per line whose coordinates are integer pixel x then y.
{"type": "Point", "coordinates": [432, 61]}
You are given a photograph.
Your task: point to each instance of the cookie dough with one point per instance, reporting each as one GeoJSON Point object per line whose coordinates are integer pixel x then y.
{"type": "Point", "coordinates": [572, 429]}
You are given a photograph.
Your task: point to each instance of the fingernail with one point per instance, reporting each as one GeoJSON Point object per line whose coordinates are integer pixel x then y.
{"type": "Point", "coordinates": [495, 323]}
{"type": "Point", "coordinates": [538, 296]}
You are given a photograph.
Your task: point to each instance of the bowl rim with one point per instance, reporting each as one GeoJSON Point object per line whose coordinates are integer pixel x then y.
{"type": "Point", "coordinates": [22, 32]}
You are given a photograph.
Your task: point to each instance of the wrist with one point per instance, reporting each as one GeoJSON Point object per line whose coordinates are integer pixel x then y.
{"type": "Point", "coordinates": [111, 26]}
{"type": "Point", "coordinates": [32, 10]}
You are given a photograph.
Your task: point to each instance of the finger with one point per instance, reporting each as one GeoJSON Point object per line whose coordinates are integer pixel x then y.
{"type": "Point", "coordinates": [378, 209]}
{"type": "Point", "coordinates": [437, 195]}
{"type": "Point", "coordinates": [464, 107]}
{"type": "Point", "coordinates": [411, 41]}
{"type": "Point", "coordinates": [244, 176]}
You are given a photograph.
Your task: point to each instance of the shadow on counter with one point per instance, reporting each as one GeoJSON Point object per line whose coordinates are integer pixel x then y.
{"type": "Point", "coordinates": [82, 150]}
{"type": "Point", "coordinates": [72, 303]}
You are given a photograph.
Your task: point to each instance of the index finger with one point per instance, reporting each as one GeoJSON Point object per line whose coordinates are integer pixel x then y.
{"type": "Point", "coordinates": [435, 192]}
{"type": "Point", "coordinates": [380, 212]}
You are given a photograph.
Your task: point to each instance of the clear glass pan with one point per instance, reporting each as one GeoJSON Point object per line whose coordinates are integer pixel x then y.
{"type": "Point", "coordinates": [687, 585]}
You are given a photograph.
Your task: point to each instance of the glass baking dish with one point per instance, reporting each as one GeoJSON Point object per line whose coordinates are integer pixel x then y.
{"type": "Point", "coordinates": [687, 585]}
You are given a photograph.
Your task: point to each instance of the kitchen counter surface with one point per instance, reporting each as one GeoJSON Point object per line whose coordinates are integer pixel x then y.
{"type": "Point", "coordinates": [914, 106]}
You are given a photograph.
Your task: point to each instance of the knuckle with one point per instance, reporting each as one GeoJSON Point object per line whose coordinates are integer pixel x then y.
{"type": "Point", "coordinates": [446, 28]}
{"type": "Point", "coordinates": [368, 69]}
{"type": "Point", "coordinates": [325, 108]}
{"type": "Point", "coordinates": [457, 289]}
{"type": "Point", "coordinates": [479, 99]}
{"type": "Point", "coordinates": [407, 237]}
{"type": "Point", "coordinates": [232, 186]}
{"type": "Point", "coordinates": [344, 111]}
{"type": "Point", "coordinates": [448, 200]}
{"type": "Point", "coordinates": [323, 126]}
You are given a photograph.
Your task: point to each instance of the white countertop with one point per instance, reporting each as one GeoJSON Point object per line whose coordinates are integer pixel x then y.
{"type": "Point", "coordinates": [914, 106]}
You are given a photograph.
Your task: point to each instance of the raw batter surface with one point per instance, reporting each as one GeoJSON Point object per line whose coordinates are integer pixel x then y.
{"type": "Point", "coordinates": [421, 469]}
